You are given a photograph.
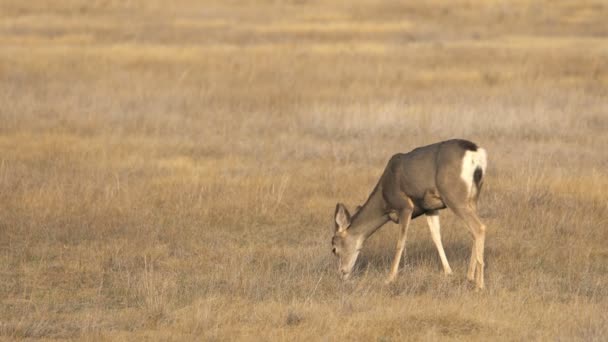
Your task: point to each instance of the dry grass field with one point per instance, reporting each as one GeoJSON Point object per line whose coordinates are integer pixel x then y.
{"type": "Point", "coordinates": [169, 170]}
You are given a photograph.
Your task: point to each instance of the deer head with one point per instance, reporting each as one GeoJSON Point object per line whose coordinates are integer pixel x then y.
{"type": "Point", "coordinates": [345, 246]}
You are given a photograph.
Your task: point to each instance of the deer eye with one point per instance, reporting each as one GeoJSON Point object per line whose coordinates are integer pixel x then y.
{"type": "Point", "coordinates": [333, 250]}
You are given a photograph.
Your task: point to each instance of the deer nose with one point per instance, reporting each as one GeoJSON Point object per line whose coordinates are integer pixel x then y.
{"type": "Point", "coordinates": [345, 274]}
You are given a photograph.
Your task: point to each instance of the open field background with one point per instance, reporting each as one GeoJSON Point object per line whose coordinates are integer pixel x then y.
{"type": "Point", "coordinates": [169, 171]}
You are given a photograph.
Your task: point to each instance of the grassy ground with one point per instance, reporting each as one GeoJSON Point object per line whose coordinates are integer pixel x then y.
{"type": "Point", "coordinates": [170, 171]}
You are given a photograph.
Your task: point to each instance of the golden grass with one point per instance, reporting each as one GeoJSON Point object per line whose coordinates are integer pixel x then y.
{"type": "Point", "coordinates": [169, 171]}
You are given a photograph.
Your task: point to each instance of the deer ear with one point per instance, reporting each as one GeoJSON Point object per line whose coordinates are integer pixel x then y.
{"type": "Point", "coordinates": [342, 218]}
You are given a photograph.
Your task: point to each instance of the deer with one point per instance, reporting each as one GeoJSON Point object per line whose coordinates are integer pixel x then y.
{"type": "Point", "coordinates": [447, 174]}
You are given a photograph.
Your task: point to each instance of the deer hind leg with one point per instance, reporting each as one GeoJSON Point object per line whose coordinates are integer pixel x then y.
{"type": "Point", "coordinates": [432, 218]}
{"type": "Point", "coordinates": [472, 264]}
{"type": "Point", "coordinates": [432, 200]}
{"type": "Point", "coordinates": [405, 216]}
{"type": "Point", "coordinates": [478, 230]}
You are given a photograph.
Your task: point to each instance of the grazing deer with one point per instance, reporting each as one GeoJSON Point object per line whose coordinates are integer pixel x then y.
{"type": "Point", "coordinates": [429, 178]}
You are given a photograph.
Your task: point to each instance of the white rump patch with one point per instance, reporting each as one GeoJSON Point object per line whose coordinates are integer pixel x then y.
{"type": "Point", "coordinates": [470, 162]}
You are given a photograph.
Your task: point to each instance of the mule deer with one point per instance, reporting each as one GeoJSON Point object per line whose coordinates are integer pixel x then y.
{"type": "Point", "coordinates": [429, 178]}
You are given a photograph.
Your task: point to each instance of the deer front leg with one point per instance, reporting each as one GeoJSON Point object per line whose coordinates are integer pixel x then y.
{"type": "Point", "coordinates": [405, 216]}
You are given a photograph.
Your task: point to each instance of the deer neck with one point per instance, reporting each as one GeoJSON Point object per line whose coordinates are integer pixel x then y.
{"type": "Point", "coordinates": [371, 216]}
